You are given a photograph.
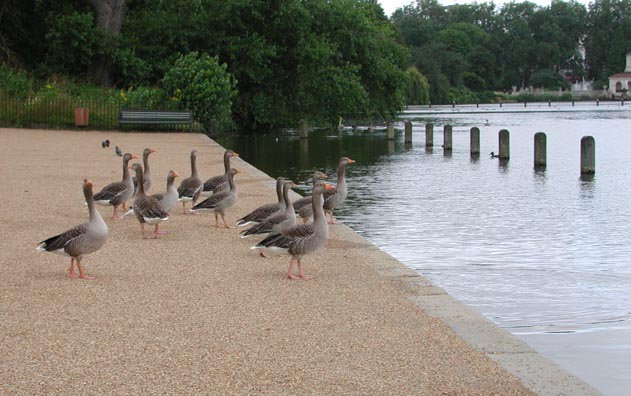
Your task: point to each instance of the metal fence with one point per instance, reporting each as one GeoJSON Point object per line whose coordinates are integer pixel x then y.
{"type": "Point", "coordinates": [59, 113]}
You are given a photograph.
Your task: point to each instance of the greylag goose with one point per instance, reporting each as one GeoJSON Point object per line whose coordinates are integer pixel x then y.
{"type": "Point", "coordinates": [117, 193]}
{"type": "Point", "coordinates": [262, 212]}
{"type": "Point", "coordinates": [219, 183]}
{"type": "Point", "coordinates": [191, 187]}
{"type": "Point", "coordinates": [81, 240]}
{"type": "Point", "coordinates": [334, 198]}
{"type": "Point", "coordinates": [147, 175]}
{"type": "Point", "coordinates": [168, 199]}
{"type": "Point", "coordinates": [277, 222]}
{"type": "Point", "coordinates": [118, 151]}
{"type": "Point", "coordinates": [147, 209]}
{"type": "Point", "coordinates": [301, 239]}
{"type": "Point", "coordinates": [302, 206]}
{"type": "Point", "coordinates": [220, 202]}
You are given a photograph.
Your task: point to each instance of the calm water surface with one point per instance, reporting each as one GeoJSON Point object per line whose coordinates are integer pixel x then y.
{"type": "Point", "coordinates": [543, 254]}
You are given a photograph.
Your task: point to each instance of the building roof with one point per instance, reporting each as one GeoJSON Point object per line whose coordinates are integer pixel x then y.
{"type": "Point", "coordinates": [621, 75]}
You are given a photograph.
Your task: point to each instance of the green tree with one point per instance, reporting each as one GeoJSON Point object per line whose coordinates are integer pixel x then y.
{"type": "Point", "coordinates": [608, 38]}
{"type": "Point", "coordinates": [203, 86]}
{"type": "Point", "coordinates": [417, 91]}
{"type": "Point", "coordinates": [71, 40]}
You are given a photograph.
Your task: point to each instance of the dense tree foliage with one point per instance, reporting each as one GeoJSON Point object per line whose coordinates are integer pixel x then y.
{"type": "Point", "coordinates": [475, 48]}
{"type": "Point", "coordinates": [293, 59]}
{"type": "Point", "coordinates": [608, 37]}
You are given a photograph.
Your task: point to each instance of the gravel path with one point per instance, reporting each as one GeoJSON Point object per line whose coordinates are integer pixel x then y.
{"type": "Point", "coordinates": [197, 312]}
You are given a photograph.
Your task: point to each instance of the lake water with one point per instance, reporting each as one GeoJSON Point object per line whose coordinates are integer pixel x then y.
{"type": "Point", "coordinates": [543, 254]}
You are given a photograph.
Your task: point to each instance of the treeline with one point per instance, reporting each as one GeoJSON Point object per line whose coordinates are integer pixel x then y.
{"type": "Point", "coordinates": [262, 64]}
{"type": "Point", "coordinates": [467, 50]}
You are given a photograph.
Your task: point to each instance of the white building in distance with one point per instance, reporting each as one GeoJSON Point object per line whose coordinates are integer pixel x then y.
{"type": "Point", "coordinates": [620, 83]}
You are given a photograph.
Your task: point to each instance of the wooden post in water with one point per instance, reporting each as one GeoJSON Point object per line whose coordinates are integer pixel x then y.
{"type": "Point", "coordinates": [504, 143]}
{"type": "Point", "coordinates": [429, 135]}
{"type": "Point", "coordinates": [408, 132]}
{"type": "Point", "coordinates": [390, 129]}
{"type": "Point", "coordinates": [540, 150]}
{"type": "Point", "coordinates": [588, 155]}
{"type": "Point", "coordinates": [474, 142]}
{"type": "Point", "coordinates": [303, 129]}
{"type": "Point", "coordinates": [447, 137]}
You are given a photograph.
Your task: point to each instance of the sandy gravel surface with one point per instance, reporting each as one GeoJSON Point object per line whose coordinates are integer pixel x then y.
{"type": "Point", "coordinates": [197, 312]}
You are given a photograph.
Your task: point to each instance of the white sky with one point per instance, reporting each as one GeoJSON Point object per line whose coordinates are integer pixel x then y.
{"type": "Point", "coordinates": [389, 6]}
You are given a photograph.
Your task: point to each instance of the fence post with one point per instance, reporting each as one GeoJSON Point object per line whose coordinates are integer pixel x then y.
{"type": "Point", "coordinates": [588, 155]}
{"type": "Point", "coordinates": [408, 132]}
{"type": "Point", "coordinates": [540, 150]}
{"type": "Point", "coordinates": [447, 137]}
{"type": "Point", "coordinates": [429, 135]}
{"type": "Point", "coordinates": [504, 144]}
{"type": "Point", "coordinates": [474, 141]}
{"type": "Point", "coordinates": [303, 129]}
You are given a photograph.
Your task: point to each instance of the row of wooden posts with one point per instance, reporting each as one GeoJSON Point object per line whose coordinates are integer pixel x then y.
{"type": "Point", "coordinates": [588, 145]}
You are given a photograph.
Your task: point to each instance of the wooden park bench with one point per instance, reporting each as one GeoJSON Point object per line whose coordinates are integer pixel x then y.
{"type": "Point", "coordinates": [155, 117]}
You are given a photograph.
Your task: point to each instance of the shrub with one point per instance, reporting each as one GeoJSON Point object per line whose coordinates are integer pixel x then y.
{"type": "Point", "coordinates": [14, 82]}
{"type": "Point", "coordinates": [532, 97]}
{"type": "Point", "coordinates": [204, 86]}
{"type": "Point", "coordinates": [147, 98]}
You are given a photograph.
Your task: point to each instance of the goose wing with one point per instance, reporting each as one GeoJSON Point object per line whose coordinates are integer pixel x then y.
{"type": "Point", "coordinates": [110, 192]}
{"type": "Point", "coordinates": [59, 242]}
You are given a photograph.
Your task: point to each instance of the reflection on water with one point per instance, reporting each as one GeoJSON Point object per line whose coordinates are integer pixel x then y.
{"type": "Point", "coordinates": [542, 253]}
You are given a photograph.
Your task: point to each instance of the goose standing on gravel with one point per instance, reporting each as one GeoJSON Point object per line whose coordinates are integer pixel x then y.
{"type": "Point", "coordinates": [191, 187]}
{"type": "Point", "coordinates": [334, 198]}
{"type": "Point", "coordinates": [167, 199]}
{"type": "Point", "coordinates": [301, 239]}
{"type": "Point", "coordinates": [262, 212]}
{"type": "Point", "coordinates": [147, 174]}
{"type": "Point", "coordinates": [147, 209]}
{"type": "Point", "coordinates": [220, 202]}
{"type": "Point", "coordinates": [219, 183]}
{"type": "Point", "coordinates": [115, 194]}
{"type": "Point", "coordinates": [81, 240]}
{"type": "Point", "coordinates": [277, 222]}
{"type": "Point", "coordinates": [302, 206]}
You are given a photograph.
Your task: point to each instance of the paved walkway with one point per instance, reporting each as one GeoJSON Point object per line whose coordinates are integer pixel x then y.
{"type": "Point", "coordinates": [197, 312]}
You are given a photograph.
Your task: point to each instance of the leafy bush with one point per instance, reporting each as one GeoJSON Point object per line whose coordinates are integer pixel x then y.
{"type": "Point", "coordinates": [14, 82]}
{"type": "Point", "coordinates": [531, 97]}
{"type": "Point", "coordinates": [204, 86]}
{"type": "Point", "coordinates": [148, 98]}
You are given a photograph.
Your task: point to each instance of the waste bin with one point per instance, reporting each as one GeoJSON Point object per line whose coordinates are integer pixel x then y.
{"type": "Point", "coordinates": [81, 116]}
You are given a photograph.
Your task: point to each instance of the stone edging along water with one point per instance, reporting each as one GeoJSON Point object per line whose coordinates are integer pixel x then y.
{"type": "Point", "coordinates": [536, 372]}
